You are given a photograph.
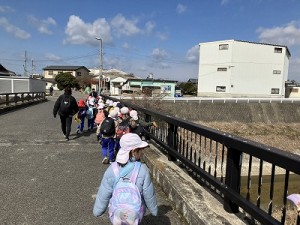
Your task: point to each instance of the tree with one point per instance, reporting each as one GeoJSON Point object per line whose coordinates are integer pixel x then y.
{"type": "Point", "coordinates": [85, 80]}
{"type": "Point", "coordinates": [188, 88]}
{"type": "Point", "coordinates": [66, 80]}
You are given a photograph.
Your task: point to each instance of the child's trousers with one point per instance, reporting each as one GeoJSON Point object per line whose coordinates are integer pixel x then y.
{"type": "Point", "coordinates": [108, 147]}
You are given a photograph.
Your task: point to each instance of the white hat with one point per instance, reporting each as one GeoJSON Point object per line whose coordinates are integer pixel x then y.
{"type": "Point", "coordinates": [91, 102]}
{"type": "Point", "coordinates": [129, 142]}
{"type": "Point", "coordinates": [113, 114]}
{"type": "Point", "coordinates": [100, 105]}
{"type": "Point", "coordinates": [115, 104]}
{"type": "Point", "coordinates": [111, 103]}
{"type": "Point", "coordinates": [124, 110]}
{"type": "Point", "coordinates": [133, 114]}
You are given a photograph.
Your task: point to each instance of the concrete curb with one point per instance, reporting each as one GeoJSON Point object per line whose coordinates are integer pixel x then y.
{"type": "Point", "coordinates": [191, 200]}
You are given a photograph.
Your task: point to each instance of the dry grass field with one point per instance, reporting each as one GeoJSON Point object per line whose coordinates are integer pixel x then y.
{"type": "Point", "coordinates": [283, 136]}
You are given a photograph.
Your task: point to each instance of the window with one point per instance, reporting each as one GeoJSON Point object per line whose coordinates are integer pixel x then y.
{"type": "Point", "coordinates": [50, 72]}
{"type": "Point", "coordinates": [220, 89]}
{"type": "Point", "coordinates": [294, 90]}
{"type": "Point", "coordinates": [278, 50]}
{"type": "Point", "coordinates": [222, 69]}
{"type": "Point", "coordinates": [78, 73]}
{"type": "Point", "coordinates": [275, 91]}
{"type": "Point", "coordinates": [223, 47]}
{"type": "Point", "coordinates": [276, 71]}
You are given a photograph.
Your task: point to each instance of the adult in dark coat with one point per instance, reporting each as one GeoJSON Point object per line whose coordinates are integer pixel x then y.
{"type": "Point", "coordinates": [66, 106]}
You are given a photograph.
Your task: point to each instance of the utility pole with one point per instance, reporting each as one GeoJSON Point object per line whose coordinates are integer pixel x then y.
{"type": "Point", "coordinates": [101, 66]}
{"type": "Point", "coordinates": [32, 68]}
{"type": "Point", "coordinates": [25, 65]}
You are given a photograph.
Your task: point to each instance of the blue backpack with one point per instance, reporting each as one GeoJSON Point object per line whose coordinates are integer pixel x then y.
{"type": "Point", "coordinates": [125, 205]}
{"type": "Point", "coordinates": [90, 113]}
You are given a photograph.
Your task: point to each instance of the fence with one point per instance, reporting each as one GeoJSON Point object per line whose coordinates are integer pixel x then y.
{"type": "Point", "coordinates": [220, 161]}
{"type": "Point", "coordinates": [15, 99]}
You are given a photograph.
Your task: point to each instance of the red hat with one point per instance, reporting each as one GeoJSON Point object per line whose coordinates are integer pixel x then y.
{"type": "Point", "coordinates": [81, 103]}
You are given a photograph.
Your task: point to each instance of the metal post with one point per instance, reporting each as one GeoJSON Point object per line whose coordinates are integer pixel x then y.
{"type": "Point", "coordinates": [172, 140]}
{"type": "Point", "coordinates": [233, 176]}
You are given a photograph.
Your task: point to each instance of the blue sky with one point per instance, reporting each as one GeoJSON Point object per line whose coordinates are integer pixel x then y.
{"type": "Point", "coordinates": [140, 37]}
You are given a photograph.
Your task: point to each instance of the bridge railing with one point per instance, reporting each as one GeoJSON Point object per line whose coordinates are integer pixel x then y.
{"type": "Point", "coordinates": [9, 99]}
{"type": "Point", "coordinates": [234, 167]}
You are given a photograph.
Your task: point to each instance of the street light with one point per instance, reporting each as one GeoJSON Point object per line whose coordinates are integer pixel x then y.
{"type": "Point", "coordinates": [101, 66]}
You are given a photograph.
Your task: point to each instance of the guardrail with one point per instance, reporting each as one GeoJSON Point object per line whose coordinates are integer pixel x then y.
{"type": "Point", "coordinates": [215, 100]}
{"type": "Point", "coordinates": [14, 99]}
{"type": "Point", "coordinates": [220, 160]}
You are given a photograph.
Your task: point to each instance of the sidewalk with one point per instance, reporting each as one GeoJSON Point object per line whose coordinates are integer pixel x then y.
{"type": "Point", "coordinates": [46, 180]}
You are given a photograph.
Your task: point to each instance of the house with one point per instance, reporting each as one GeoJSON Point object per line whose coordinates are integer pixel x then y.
{"type": "Point", "coordinates": [5, 72]}
{"type": "Point", "coordinates": [111, 81]}
{"type": "Point", "coordinates": [235, 68]}
{"type": "Point", "coordinates": [150, 87]}
{"type": "Point", "coordinates": [292, 89]}
{"type": "Point", "coordinates": [193, 81]}
{"type": "Point", "coordinates": [50, 73]}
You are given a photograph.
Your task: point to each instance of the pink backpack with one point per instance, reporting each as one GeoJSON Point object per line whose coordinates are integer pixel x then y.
{"type": "Point", "coordinates": [99, 117]}
{"type": "Point", "coordinates": [125, 205]}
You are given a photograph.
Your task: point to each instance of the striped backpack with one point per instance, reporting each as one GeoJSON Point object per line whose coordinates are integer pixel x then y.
{"type": "Point", "coordinates": [125, 205]}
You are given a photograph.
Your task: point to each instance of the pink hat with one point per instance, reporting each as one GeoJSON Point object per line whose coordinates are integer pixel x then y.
{"type": "Point", "coordinates": [129, 142]}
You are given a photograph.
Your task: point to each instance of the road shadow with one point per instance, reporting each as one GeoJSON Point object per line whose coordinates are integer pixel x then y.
{"type": "Point", "coordinates": [161, 218]}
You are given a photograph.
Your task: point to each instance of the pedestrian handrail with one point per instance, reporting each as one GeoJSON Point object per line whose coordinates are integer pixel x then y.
{"type": "Point", "coordinates": [220, 161]}
{"type": "Point", "coordinates": [8, 99]}
{"type": "Point", "coordinates": [219, 99]}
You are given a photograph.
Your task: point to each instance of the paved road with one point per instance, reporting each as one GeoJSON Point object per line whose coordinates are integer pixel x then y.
{"type": "Point", "coordinates": [46, 180]}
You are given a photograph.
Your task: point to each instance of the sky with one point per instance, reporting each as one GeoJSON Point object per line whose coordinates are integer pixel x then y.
{"type": "Point", "coordinates": [159, 37]}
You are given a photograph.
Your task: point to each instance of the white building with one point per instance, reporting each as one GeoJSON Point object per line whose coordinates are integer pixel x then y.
{"type": "Point", "coordinates": [233, 68]}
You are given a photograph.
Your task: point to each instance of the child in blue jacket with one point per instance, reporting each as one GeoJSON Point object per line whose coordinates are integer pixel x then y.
{"type": "Point", "coordinates": [131, 150]}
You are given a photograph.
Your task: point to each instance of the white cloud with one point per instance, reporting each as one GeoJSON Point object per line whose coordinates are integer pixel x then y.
{"type": "Point", "coordinates": [42, 25]}
{"type": "Point", "coordinates": [288, 34]}
{"type": "Point", "coordinates": [162, 36]}
{"type": "Point", "coordinates": [224, 2]}
{"type": "Point", "coordinates": [79, 32]}
{"type": "Point", "coordinates": [12, 29]}
{"type": "Point", "coordinates": [52, 57]}
{"type": "Point", "coordinates": [180, 8]}
{"type": "Point", "coordinates": [123, 26]}
{"type": "Point", "coordinates": [149, 27]}
{"type": "Point", "coordinates": [159, 54]}
{"type": "Point", "coordinates": [6, 9]}
{"type": "Point", "coordinates": [125, 46]}
{"type": "Point", "coordinates": [192, 54]}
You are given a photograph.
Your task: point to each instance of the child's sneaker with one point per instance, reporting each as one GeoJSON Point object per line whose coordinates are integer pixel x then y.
{"type": "Point", "coordinates": [78, 131]}
{"type": "Point", "coordinates": [105, 160]}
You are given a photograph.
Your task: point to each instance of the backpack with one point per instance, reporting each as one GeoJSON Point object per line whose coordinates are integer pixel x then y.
{"type": "Point", "coordinates": [81, 113]}
{"type": "Point", "coordinates": [139, 130]}
{"type": "Point", "coordinates": [65, 105]}
{"type": "Point", "coordinates": [125, 205]}
{"type": "Point", "coordinates": [123, 128]}
{"type": "Point", "coordinates": [108, 126]}
{"type": "Point", "coordinates": [99, 117]}
{"type": "Point", "coordinates": [90, 113]}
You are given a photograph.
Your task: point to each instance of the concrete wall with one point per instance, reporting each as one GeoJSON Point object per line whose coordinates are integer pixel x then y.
{"type": "Point", "coordinates": [21, 84]}
{"type": "Point", "coordinates": [236, 112]}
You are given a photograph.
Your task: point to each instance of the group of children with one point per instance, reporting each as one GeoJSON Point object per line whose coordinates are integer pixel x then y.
{"type": "Point", "coordinates": [112, 120]}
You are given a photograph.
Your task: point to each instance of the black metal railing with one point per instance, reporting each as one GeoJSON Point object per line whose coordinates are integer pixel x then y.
{"type": "Point", "coordinates": [9, 99]}
{"type": "Point", "coordinates": [243, 172]}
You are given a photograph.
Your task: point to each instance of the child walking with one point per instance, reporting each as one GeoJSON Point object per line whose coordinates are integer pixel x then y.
{"type": "Point", "coordinates": [127, 164]}
{"type": "Point", "coordinates": [108, 131]}
{"type": "Point", "coordinates": [81, 115]}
